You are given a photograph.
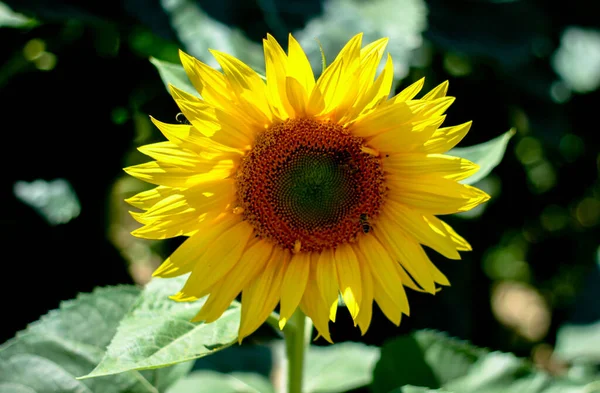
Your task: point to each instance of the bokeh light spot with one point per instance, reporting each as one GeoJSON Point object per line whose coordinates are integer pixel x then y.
{"type": "Point", "coordinates": [34, 49]}
{"type": "Point", "coordinates": [529, 150]}
{"type": "Point", "coordinates": [554, 218]}
{"type": "Point", "coordinates": [588, 212]}
{"type": "Point", "coordinates": [571, 147]}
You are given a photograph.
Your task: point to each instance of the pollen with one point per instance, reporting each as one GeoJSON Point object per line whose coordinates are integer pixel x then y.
{"type": "Point", "coordinates": [369, 150]}
{"type": "Point", "coordinates": [297, 247]}
{"type": "Point", "coordinates": [308, 182]}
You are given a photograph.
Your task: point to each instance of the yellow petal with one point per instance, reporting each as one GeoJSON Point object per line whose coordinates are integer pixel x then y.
{"type": "Point", "coordinates": [146, 199]}
{"type": "Point", "coordinates": [370, 57]}
{"type": "Point", "coordinates": [224, 127]}
{"type": "Point", "coordinates": [200, 198]}
{"type": "Point", "coordinates": [374, 48]}
{"type": "Point", "coordinates": [241, 77]}
{"type": "Point", "coordinates": [345, 98]}
{"type": "Point", "coordinates": [377, 93]}
{"type": "Point", "coordinates": [413, 223]}
{"type": "Point", "coordinates": [316, 102]}
{"type": "Point", "coordinates": [406, 137]}
{"type": "Point", "coordinates": [337, 83]}
{"type": "Point", "coordinates": [439, 225]}
{"type": "Point", "coordinates": [180, 225]}
{"type": "Point", "coordinates": [382, 119]}
{"type": "Point", "coordinates": [417, 257]}
{"type": "Point", "coordinates": [438, 92]}
{"type": "Point", "coordinates": [351, 50]}
{"type": "Point", "coordinates": [438, 276]}
{"type": "Point", "coordinates": [229, 93]}
{"type": "Point", "coordinates": [405, 251]}
{"type": "Point", "coordinates": [409, 92]}
{"type": "Point", "coordinates": [413, 255]}
{"type": "Point", "coordinates": [314, 306]}
{"type": "Point", "coordinates": [174, 176]}
{"type": "Point", "coordinates": [276, 71]}
{"type": "Point", "coordinates": [400, 116]}
{"type": "Point", "coordinates": [407, 280]}
{"type": "Point", "coordinates": [234, 130]}
{"type": "Point", "coordinates": [246, 84]}
{"type": "Point", "coordinates": [187, 254]}
{"type": "Point", "coordinates": [299, 67]}
{"type": "Point", "coordinates": [209, 82]}
{"type": "Point", "coordinates": [327, 280]}
{"type": "Point", "coordinates": [262, 295]}
{"type": "Point", "coordinates": [252, 262]}
{"type": "Point", "coordinates": [366, 305]}
{"type": "Point", "coordinates": [446, 138]}
{"type": "Point", "coordinates": [188, 137]}
{"type": "Point", "coordinates": [434, 194]}
{"type": "Point", "coordinates": [198, 112]}
{"type": "Point", "coordinates": [167, 218]}
{"type": "Point", "coordinates": [221, 255]}
{"type": "Point", "coordinates": [326, 87]}
{"type": "Point", "coordinates": [248, 115]}
{"type": "Point", "coordinates": [296, 96]}
{"type": "Point", "coordinates": [204, 109]}
{"type": "Point", "coordinates": [170, 153]}
{"type": "Point", "coordinates": [387, 283]}
{"type": "Point", "coordinates": [387, 304]}
{"type": "Point", "coordinates": [418, 164]}
{"type": "Point", "coordinates": [435, 107]}
{"type": "Point", "coordinates": [294, 284]}
{"type": "Point", "coordinates": [181, 213]}
{"type": "Point", "coordinates": [349, 279]}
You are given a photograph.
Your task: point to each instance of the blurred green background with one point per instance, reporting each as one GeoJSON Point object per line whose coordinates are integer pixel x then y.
{"type": "Point", "coordinates": [77, 87]}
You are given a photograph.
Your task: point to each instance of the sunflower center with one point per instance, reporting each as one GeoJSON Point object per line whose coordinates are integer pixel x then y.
{"type": "Point", "coordinates": [309, 184]}
{"type": "Point", "coordinates": [314, 190]}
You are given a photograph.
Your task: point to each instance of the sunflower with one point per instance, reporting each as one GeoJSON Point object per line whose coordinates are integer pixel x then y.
{"type": "Point", "coordinates": [292, 191]}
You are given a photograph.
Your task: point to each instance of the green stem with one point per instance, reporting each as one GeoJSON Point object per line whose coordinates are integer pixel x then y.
{"type": "Point", "coordinates": [296, 341]}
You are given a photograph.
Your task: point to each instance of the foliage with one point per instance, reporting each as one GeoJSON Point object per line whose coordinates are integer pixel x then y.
{"type": "Point", "coordinates": [148, 332]}
{"type": "Point", "coordinates": [429, 361]}
{"type": "Point", "coordinates": [69, 342]}
{"type": "Point", "coordinates": [487, 155]}
{"type": "Point", "coordinates": [157, 332]}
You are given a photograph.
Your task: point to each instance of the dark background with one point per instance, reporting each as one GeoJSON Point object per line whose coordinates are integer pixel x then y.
{"type": "Point", "coordinates": [76, 90]}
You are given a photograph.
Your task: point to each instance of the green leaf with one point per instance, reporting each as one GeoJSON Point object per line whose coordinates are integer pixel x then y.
{"type": "Point", "coordinates": [164, 377]}
{"type": "Point", "coordinates": [211, 381]}
{"type": "Point", "coordinates": [157, 332]}
{"type": "Point", "coordinates": [504, 373]}
{"type": "Point", "coordinates": [173, 74]}
{"type": "Point", "coordinates": [418, 389]}
{"type": "Point", "coordinates": [425, 358]}
{"type": "Point", "coordinates": [573, 63]}
{"type": "Point", "coordinates": [430, 360]}
{"type": "Point", "coordinates": [68, 342]}
{"type": "Point", "coordinates": [579, 343]}
{"type": "Point", "coordinates": [487, 155]}
{"type": "Point", "coordinates": [54, 200]}
{"type": "Point", "coordinates": [9, 18]}
{"type": "Point", "coordinates": [339, 368]}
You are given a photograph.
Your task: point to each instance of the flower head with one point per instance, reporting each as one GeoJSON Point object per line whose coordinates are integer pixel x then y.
{"type": "Point", "coordinates": [293, 191]}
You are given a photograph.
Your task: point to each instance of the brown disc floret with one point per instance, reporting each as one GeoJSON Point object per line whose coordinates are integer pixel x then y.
{"type": "Point", "coordinates": [309, 185]}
